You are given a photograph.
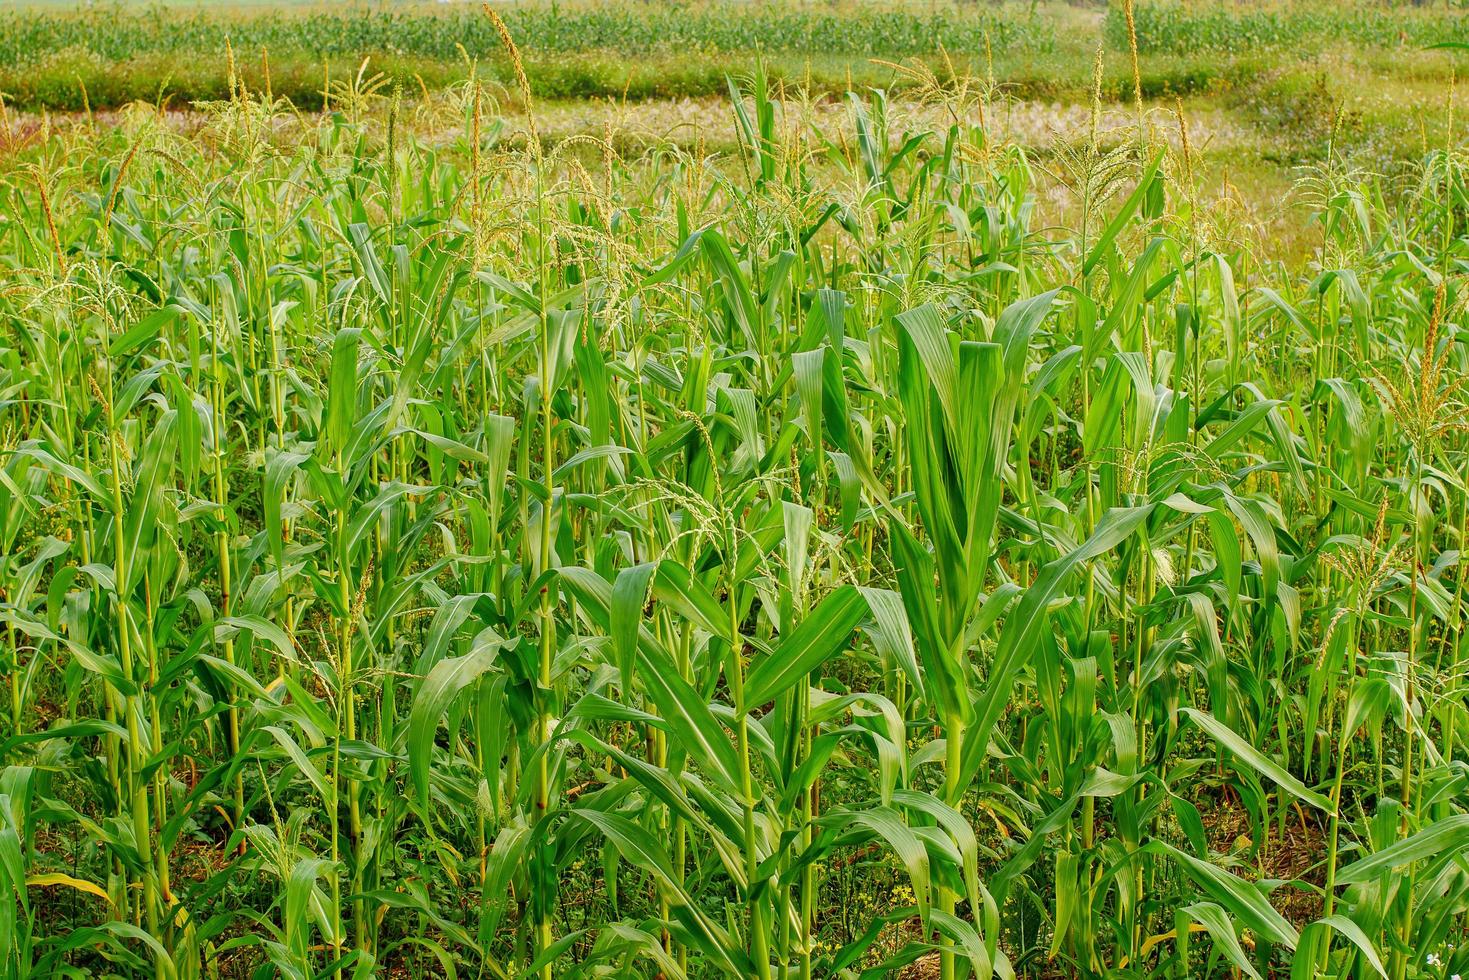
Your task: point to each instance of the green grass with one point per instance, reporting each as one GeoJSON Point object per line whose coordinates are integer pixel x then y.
{"type": "Point", "coordinates": [437, 538]}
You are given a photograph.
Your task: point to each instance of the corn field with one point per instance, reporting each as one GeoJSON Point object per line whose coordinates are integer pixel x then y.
{"type": "Point", "coordinates": [426, 552]}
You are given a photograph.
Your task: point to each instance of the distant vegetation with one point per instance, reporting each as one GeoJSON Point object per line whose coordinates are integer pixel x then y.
{"type": "Point", "coordinates": [444, 32]}
{"type": "Point", "coordinates": [110, 55]}
{"type": "Point", "coordinates": [1183, 28]}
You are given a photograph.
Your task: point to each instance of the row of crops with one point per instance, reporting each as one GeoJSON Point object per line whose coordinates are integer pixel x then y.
{"type": "Point", "coordinates": [1242, 28]}
{"type": "Point", "coordinates": [862, 29]}
{"type": "Point", "coordinates": [865, 30]}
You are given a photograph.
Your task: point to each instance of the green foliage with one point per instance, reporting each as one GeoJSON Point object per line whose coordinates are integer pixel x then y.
{"type": "Point", "coordinates": [1168, 25]}
{"type": "Point", "coordinates": [448, 557]}
{"type": "Point", "coordinates": [566, 28]}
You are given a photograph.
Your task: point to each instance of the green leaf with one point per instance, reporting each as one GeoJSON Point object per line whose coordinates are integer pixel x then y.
{"type": "Point", "coordinates": [1028, 621]}
{"type": "Point", "coordinates": [821, 635]}
{"type": "Point", "coordinates": [341, 406]}
{"type": "Point", "coordinates": [1239, 898]}
{"type": "Point", "coordinates": [438, 690]}
{"type": "Point", "coordinates": [1219, 926]}
{"type": "Point", "coordinates": [641, 849]}
{"type": "Point", "coordinates": [1256, 759]}
{"type": "Point", "coordinates": [1450, 834]}
{"type": "Point", "coordinates": [1349, 929]}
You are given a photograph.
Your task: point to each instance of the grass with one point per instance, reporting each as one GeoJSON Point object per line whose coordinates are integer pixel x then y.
{"type": "Point", "coordinates": [909, 534]}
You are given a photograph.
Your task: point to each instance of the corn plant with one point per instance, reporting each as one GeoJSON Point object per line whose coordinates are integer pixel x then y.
{"type": "Point", "coordinates": [509, 557]}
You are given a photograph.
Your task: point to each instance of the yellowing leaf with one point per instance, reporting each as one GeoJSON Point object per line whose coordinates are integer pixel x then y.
{"type": "Point", "coordinates": [57, 878]}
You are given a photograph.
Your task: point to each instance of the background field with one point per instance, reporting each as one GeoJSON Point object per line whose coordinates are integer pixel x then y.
{"type": "Point", "coordinates": [121, 53]}
{"type": "Point", "coordinates": [1277, 84]}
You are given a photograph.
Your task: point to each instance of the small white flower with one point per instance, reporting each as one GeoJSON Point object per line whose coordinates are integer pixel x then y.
{"type": "Point", "coordinates": [1432, 959]}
